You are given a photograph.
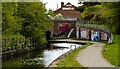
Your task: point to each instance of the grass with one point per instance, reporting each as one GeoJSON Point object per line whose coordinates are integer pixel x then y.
{"type": "Point", "coordinates": [70, 59]}
{"type": "Point", "coordinates": [110, 51]}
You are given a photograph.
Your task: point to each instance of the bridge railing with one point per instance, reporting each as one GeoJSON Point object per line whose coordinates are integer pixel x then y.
{"type": "Point", "coordinates": [94, 24]}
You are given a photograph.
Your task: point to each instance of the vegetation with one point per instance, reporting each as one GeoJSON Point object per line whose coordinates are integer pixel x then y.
{"type": "Point", "coordinates": [110, 51]}
{"type": "Point", "coordinates": [109, 14]}
{"type": "Point", "coordinates": [24, 20]}
{"type": "Point", "coordinates": [95, 25]}
{"type": "Point", "coordinates": [110, 17]}
{"type": "Point", "coordinates": [70, 60]}
{"type": "Point", "coordinates": [86, 4]}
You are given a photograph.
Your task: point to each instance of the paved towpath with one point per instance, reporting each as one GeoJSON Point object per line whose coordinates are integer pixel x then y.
{"type": "Point", "coordinates": [92, 56]}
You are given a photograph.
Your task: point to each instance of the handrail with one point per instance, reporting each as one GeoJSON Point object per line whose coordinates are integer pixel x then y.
{"type": "Point", "coordinates": [70, 32]}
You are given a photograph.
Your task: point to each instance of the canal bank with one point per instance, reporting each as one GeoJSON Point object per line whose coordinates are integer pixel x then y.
{"type": "Point", "coordinates": [89, 57]}
{"type": "Point", "coordinates": [68, 59]}
{"type": "Point", "coordinates": [38, 58]}
{"type": "Point", "coordinates": [57, 53]}
{"type": "Point", "coordinates": [51, 57]}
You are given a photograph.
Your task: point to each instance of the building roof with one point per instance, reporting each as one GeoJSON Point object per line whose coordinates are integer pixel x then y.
{"type": "Point", "coordinates": [65, 6]}
{"type": "Point", "coordinates": [68, 11]}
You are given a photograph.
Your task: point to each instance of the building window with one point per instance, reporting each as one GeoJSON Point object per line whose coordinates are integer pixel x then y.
{"type": "Point", "coordinates": [67, 8]}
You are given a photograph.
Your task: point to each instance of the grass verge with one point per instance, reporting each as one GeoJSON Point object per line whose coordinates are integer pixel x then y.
{"type": "Point", "coordinates": [110, 51]}
{"type": "Point", "coordinates": [70, 59]}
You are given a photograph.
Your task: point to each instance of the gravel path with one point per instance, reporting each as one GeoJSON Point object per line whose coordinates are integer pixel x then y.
{"type": "Point", "coordinates": [92, 56]}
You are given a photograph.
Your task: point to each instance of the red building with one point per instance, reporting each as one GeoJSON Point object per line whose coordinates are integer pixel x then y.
{"type": "Point", "coordinates": [66, 18]}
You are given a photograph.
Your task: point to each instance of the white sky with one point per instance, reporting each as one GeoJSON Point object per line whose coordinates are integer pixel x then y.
{"type": "Point", "coordinates": [52, 4]}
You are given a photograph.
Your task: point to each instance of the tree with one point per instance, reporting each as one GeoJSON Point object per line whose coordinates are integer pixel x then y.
{"type": "Point", "coordinates": [86, 4]}
{"type": "Point", "coordinates": [108, 13]}
{"type": "Point", "coordinates": [113, 16]}
{"type": "Point", "coordinates": [36, 22]}
{"type": "Point", "coordinates": [10, 22]}
{"type": "Point", "coordinates": [25, 20]}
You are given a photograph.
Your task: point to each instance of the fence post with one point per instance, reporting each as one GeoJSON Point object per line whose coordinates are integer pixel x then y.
{"type": "Point", "coordinates": [20, 41]}
{"type": "Point", "coordinates": [33, 41]}
{"type": "Point", "coordinates": [8, 44]}
{"type": "Point", "coordinates": [30, 41]}
{"type": "Point", "coordinates": [13, 43]}
{"type": "Point", "coordinates": [16, 43]}
{"type": "Point", "coordinates": [25, 42]}
{"type": "Point", "coordinates": [3, 44]}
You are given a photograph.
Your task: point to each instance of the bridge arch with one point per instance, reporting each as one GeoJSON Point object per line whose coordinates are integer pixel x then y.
{"type": "Point", "coordinates": [89, 30]}
{"type": "Point", "coordinates": [79, 24]}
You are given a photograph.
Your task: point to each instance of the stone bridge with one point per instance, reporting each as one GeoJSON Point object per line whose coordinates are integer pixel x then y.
{"type": "Point", "coordinates": [69, 28]}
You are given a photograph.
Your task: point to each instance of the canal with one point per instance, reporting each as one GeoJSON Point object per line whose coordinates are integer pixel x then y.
{"type": "Point", "coordinates": [38, 58]}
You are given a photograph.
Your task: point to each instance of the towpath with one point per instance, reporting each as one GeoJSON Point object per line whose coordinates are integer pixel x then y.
{"type": "Point", "coordinates": [92, 56]}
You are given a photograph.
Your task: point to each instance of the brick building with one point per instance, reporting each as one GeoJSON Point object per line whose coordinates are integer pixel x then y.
{"type": "Point", "coordinates": [67, 17]}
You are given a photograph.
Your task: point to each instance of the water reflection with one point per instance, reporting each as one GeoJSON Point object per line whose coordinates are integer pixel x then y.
{"type": "Point", "coordinates": [51, 55]}
{"type": "Point", "coordinates": [30, 59]}
{"type": "Point", "coordinates": [38, 58]}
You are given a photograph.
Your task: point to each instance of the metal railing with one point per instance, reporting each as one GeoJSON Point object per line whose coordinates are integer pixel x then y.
{"type": "Point", "coordinates": [17, 43]}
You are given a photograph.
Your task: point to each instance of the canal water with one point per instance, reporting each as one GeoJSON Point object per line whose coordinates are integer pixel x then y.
{"type": "Point", "coordinates": [39, 58]}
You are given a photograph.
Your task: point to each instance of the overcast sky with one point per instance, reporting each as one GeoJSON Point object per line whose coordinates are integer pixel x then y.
{"type": "Point", "coordinates": [52, 4]}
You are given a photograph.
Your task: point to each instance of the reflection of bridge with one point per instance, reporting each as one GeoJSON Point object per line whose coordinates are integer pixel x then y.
{"type": "Point", "coordinates": [78, 26]}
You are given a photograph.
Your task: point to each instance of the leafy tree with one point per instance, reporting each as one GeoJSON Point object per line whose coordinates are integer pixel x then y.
{"type": "Point", "coordinates": [86, 4]}
{"type": "Point", "coordinates": [36, 22]}
{"type": "Point", "coordinates": [108, 13]}
{"type": "Point", "coordinates": [112, 16]}
{"type": "Point", "coordinates": [25, 20]}
{"type": "Point", "coordinates": [10, 22]}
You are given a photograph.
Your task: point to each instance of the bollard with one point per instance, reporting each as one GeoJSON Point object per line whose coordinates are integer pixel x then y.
{"type": "Point", "coordinates": [74, 46]}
